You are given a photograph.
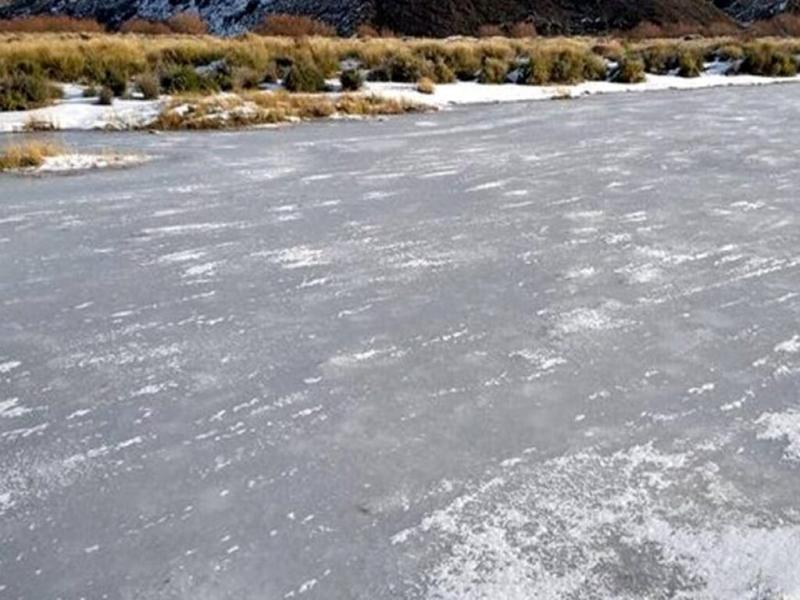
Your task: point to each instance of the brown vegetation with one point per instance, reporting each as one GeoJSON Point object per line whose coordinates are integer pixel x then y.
{"type": "Point", "coordinates": [521, 30]}
{"type": "Point", "coordinates": [28, 155]}
{"type": "Point", "coordinates": [263, 108]}
{"type": "Point", "coordinates": [183, 23]}
{"type": "Point", "coordinates": [426, 86]}
{"type": "Point", "coordinates": [50, 24]}
{"type": "Point", "coordinates": [145, 27]}
{"type": "Point", "coordinates": [294, 26]}
{"type": "Point", "coordinates": [187, 22]}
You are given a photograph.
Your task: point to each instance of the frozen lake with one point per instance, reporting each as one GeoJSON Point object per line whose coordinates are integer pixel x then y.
{"type": "Point", "coordinates": [544, 350]}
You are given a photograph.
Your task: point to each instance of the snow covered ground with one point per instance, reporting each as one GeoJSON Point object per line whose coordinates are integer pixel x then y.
{"type": "Point", "coordinates": [469, 92]}
{"type": "Point", "coordinates": [75, 112]}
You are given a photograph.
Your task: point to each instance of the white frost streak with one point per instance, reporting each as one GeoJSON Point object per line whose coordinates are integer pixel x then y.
{"type": "Point", "coordinates": [299, 257]}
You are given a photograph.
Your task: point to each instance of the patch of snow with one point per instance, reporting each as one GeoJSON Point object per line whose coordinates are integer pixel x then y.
{"type": "Point", "coordinates": [782, 426]}
{"type": "Point", "coordinates": [470, 92]}
{"type": "Point", "coordinates": [8, 366]}
{"type": "Point", "coordinates": [76, 112]}
{"type": "Point", "coordinates": [299, 257]}
{"type": "Point", "coordinates": [581, 273]}
{"type": "Point", "coordinates": [587, 319]}
{"type": "Point", "coordinates": [63, 163]}
{"type": "Point", "coordinates": [791, 346]}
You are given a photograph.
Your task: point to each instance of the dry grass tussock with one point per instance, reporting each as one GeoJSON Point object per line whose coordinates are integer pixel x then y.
{"type": "Point", "coordinates": [28, 155]}
{"type": "Point", "coordinates": [265, 108]}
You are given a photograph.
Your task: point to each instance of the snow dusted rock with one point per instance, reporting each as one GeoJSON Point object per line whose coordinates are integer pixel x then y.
{"type": "Point", "coordinates": [747, 11]}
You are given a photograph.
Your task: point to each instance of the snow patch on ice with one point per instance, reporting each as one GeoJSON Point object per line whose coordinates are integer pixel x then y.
{"type": "Point", "coordinates": [63, 163]}
{"type": "Point", "coordinates": [587, 319]}
{"type": "Point", "coordinates": [8, 366]}
{"type": "Point", "coordinates": [299, 257]}
{"type": "Point", "coordinates": [782, 427]}
{"type": "Point", "coordinates": [791, 346]}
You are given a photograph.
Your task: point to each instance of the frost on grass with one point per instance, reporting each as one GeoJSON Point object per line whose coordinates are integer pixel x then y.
{"type": "Point", "coordinates": [629, 524]}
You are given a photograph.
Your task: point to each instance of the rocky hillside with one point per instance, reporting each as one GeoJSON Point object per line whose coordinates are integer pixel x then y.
{"type": "Point", "coordinates": [420, 17]}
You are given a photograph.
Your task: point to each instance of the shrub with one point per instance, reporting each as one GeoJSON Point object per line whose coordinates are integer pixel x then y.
{"type": "Point", "coordinates": [611, 50]}
{"type": "Point", "coordinates": [50, 23]}
{"type": "Point", "coordinates": [294, 26]}
{"type": "Point", "coordinates": [594, 67]}
{"type": "Point", "coordinates": [245, 78]}
{"type": "Point", "coordinates": [183, 78]}
{"type": "Point", "coordinates": [402, 67]}
{"type": "Point", "coordinates": [441, 73]}
{"type": "Point", "coordinates": [425, 86]}
{"type": "Point", "coordinates": [690, 63]}
{"type": "Point", "coordinates": [27, 155]}
{"type": "Point", "coordinates": [144, 27]}
{"type": "Point", "coordinates": [365, 30]}
{"type": "Point", "coordinates": [90, 92]}
{"type": "Point", "coordinates": [488, 31]}
{"type": "Point", "coordinates": [629, 70]}
{"type": "Point", "coordinates": [766, 60]}
{"type": "Point", "coordinates": [106, 97]}
{"type": "Point", "coordinates": [645, 30]}
{"type": "Point", "coordinates": [465, 62]}
{"type": "Point", "coordinates": [523, 29]}
{"type": "Point", "coordinates": [494, 70]}
{"type": "Point", "coordinates": [561, 66]}
{"type": "Point", "coordinates": [187, 22]}
{"type": "Point", "coordinates": [660, 58]}
{"type": "Point", "coordinates": [567, 66]}
{"type": "Point", "coordinates": [729, 52]}
{"type": "Point", "coordinates": [116, 80]}
{"type": "Point", "coordinates": [351, 80]}
{"type": "Point", "coordinates": [304, 76]}
{"type": "Point", "coordinates": [148, 86]}
{"type": "Point", "coordinates": [24, 89]}
{"type": "Point", "coordinates": [271, 73]}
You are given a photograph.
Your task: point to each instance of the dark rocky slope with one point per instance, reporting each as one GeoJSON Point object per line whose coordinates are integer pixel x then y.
{"type": "Point", "coordinates": [421, 17]}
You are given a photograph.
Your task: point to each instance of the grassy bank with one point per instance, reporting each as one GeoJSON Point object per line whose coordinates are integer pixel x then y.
{"type": "Point", "coordinates": [108, 59]}
{"type": "Point", "coordinates": [148, 66]}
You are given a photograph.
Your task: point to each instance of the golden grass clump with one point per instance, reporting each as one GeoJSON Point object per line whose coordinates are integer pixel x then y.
{"type": "Point", "coordinates": [426, 86]}
{"type": "Point", "coordinates": [28, 155]}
